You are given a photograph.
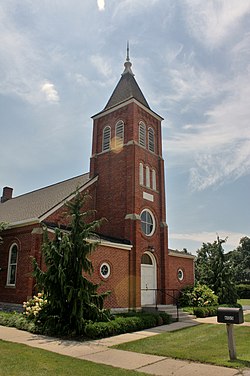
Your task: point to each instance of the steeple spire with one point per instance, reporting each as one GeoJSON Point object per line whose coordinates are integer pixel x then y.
{"type": "Point", "coordinates": [127, 88]}
{"type": "Point", "coordinates": [127, 63]}
{"type": "Point", "coordinates": [127, 51]}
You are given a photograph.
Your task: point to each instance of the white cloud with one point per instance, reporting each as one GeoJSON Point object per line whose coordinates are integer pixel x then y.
{"type": "Point", "coordinates": [132, 6]}
{"type": "Point", "coordinates": [102, 65]}
{"type": "Point", "coordinates": [233, 238]}
{"type": "Point", "coordinates": [50, 92]}
{"type": "Point", "coordinates": [217, 149]}
{"type": "Point", "coordinates": [211, 22]}
{"type": "Point", "coordinates": [101, 4]}
{"type": "Point", "coordinates": [191, 82]}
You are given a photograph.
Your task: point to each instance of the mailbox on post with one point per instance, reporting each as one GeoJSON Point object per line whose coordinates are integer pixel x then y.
{"type": "Point", "coordinates": [230, 316]}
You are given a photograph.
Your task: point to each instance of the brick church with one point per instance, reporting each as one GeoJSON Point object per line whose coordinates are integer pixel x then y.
{"type": "Point", "coordinates": [127, 187]}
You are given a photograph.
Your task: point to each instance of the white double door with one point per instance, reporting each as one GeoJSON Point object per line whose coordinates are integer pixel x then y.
{"type": "Point", "coordinates": [148, 283]}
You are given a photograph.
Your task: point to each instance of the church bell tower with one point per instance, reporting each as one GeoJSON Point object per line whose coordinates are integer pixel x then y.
{"type": "Point", "coordinates": [130, 193]}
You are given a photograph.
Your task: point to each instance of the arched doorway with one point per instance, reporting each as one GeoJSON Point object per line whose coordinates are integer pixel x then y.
{"type": "Point", "coordinates": [148, 279]}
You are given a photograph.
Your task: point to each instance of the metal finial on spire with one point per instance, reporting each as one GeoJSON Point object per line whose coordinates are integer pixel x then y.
{"type": "Point", "coordinates": [127, 51]}
{"type": "Point", "coordinates": [127, 63]}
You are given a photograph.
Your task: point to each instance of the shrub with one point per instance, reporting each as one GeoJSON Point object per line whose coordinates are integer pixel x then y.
{"type": "Point", "coordinates": [205, 311]}
{"type": "Point", "coordinates": [185, 299]}
{"type": "Point", "coordinates": [18, 321]}
{"type": "Point", "coordinates": [203, 296]}
{"type": "Point", "coordinates": [197, 296]}
{"type": "Point", "coordinates": [120, 324]}
{"type": "Point", "coordinates": [243, 291]}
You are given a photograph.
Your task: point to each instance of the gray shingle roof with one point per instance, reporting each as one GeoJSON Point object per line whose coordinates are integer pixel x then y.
{"type": "Point", "coordinates": [126, 88]}
{"type": "Point", "coordinates": [35, 204]}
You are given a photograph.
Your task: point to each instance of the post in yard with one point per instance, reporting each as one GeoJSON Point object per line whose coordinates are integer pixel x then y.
{"type": "Point", "coordinates": [230, 316]}
{"type": "Point", "coordinates": [231, 341]}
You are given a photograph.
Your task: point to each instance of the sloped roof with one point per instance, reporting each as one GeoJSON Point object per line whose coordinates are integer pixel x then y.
{"type": "Point", "coordinates": [126, 88]}
{"type": "Point", "coordinates": [34, 205]}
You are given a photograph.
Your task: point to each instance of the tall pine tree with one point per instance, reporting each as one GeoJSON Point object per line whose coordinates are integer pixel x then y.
{"type": "Point", "coordinates": [72, 298]}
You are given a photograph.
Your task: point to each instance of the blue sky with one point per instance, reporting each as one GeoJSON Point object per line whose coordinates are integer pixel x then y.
{"type": "Point", "coordinates": [60, 61]}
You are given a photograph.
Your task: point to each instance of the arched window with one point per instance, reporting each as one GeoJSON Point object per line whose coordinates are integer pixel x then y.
{"type": "Point", "coordinates": [119, 134]}
{"type": "Point", "coordinates": [151, 139]}
{"type": "Point", "coordinates": [106, 138]}
{"type": "Point", "coordinates": [142, 134]}
{"type": "Point", "coordinates": [154, 179]}
{"type": "Point", "coordinates": [146, 259]}
{"type": "Point", "coordinates": [147, 177]}
{"type": "Point", "coordinates": [12, 265]}
{"type": "Point", "coordinates": [141, 174]}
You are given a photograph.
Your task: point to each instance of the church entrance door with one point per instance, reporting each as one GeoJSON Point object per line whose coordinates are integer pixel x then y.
{"type": "Point", "coordinates": [148, 279]}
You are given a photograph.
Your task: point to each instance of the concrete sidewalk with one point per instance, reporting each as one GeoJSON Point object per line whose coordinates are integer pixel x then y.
{"type": "Point", "coordinates": [99, 351]}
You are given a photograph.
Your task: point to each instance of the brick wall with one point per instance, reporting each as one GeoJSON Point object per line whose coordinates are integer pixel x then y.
{"type": "Point", "coordinates": [28, 247]}
{"type": "Point", "coordinates": [119, 193]}
{"type": "Point", "coordinates": [186, 265]}
{"type": "Point", "coordinates": [29, 241]}
{"type": "Point", "coordinates": [118, 281]}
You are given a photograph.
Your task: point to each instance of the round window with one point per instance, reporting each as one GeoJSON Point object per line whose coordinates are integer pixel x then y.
{"type": "Point", "coordinates": [105, 270]}
{"type": "Point", "coordinates": [180, 274]}
{"type": "Point", "coordinates": [147, 222]}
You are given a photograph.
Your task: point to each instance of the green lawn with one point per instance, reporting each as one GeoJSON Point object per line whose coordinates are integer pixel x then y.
{"type": "Point", "coordinates": [21, 360]}
{"type": "Point", "coordinates": [243, 302]}
{"type": "Point", "coordinates": [247, 318]}
{"type": "Point", "coordinates": [203, 343]}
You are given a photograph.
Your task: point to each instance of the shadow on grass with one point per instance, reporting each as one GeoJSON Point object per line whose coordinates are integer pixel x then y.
{"type": "Point", "coordinates": [241, 362]}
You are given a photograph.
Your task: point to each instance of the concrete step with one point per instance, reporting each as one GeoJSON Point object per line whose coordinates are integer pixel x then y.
{"type": "Point", "coordinates": [171, 310]}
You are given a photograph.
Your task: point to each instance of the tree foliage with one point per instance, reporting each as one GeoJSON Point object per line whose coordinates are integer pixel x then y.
{"type": "Point", "coordinates": [3, 226]}
{"type": "Point", "coordinates": [240, 261]}
{"type": "Point", "coordinates": [213, 269]}
{"type": "Point", "coordinates": [72, 298]}
{"type": "Point", "coordinates": [197, 296]}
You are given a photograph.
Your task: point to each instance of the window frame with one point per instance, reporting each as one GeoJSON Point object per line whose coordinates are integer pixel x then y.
{"type": "Point", "coordinates": [119, 141]}
{"type": "Point", "coordinates": [106, 138]}
{"type": "Point", "coordinates": [153, 179]}
{"type": "Point", "coordinates": [141, 173]}
{"type": "Point", "coordinates": [148, 257]}
{"type": "Point", "coordinates": [106, 264]}
{"type": "Point", "coordinates": [147, 223]}
{"type": "Point", "coordinates": [151, 139]}
{"type": "Point", "coordinates": [142, 134]}
{"type": "Point", "coordinates": [180, 274]}
{"type": "Point", "coordinates": [11, 265]}
{"type": "Point", "coordinates": [148, 185]}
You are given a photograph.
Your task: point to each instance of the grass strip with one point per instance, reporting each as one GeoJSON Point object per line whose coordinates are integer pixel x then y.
{"type": "Point", "coordinates": [206, 343]}
{"type": "Point", "coordinates": [247, 318]}
{"type": "Point", "coordinates": [22, 360]}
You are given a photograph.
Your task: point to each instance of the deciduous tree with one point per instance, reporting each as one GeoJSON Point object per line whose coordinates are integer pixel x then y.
{"type": "Point", "coordinates": [213, 269]}
{"type": "Point", "coordinates": [240, 261]}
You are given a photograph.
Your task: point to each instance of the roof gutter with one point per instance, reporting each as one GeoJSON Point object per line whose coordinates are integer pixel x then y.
{"type": "Point", "coordinates": [127, 101]}
{"type": "Point", "coordinates": [25, 222]}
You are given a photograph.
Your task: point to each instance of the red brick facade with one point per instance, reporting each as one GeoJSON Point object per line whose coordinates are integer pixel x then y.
{"type": "Point", "coordinates": [119, 195]}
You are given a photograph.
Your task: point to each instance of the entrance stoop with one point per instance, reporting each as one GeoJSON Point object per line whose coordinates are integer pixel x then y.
{"type": "Point", "coordinates": [171, 310]}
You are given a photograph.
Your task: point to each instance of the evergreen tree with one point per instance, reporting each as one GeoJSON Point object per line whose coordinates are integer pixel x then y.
{"type": "Point", "coordinates": [71, 297]}
{"type": "Point", "coordinates": [213, 270]}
